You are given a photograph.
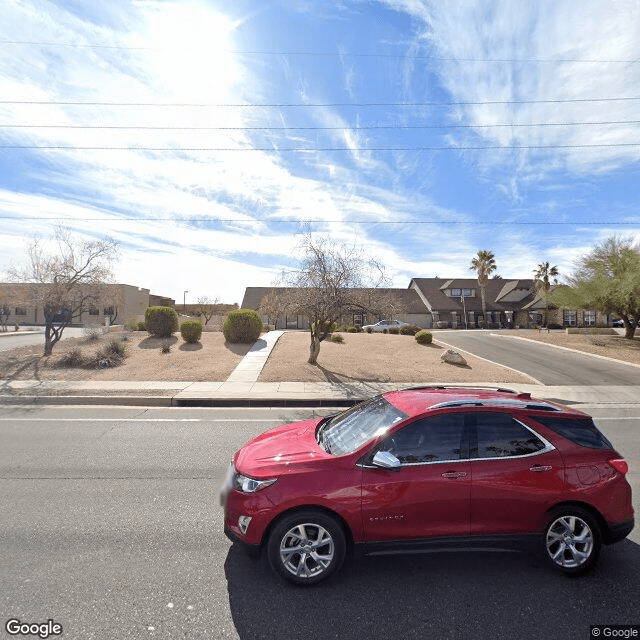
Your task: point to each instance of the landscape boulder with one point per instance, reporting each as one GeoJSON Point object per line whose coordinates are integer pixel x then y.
{"type": "Point", "coordinates": [452, 357]}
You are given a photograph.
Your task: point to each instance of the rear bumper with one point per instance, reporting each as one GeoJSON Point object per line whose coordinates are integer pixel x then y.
{"type": "Point", "coordinates": [618, 532]}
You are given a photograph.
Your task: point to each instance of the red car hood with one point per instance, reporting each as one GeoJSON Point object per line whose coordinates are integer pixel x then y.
{"type": "Point", "coordinates": [277, 450]}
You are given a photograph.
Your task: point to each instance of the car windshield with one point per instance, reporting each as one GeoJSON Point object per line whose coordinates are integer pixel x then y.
{"type": "Point", "coordinates": [349, 430]}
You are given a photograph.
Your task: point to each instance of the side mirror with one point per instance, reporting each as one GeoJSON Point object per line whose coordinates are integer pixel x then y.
{"type": "Point", "coordinates": [386, 460]}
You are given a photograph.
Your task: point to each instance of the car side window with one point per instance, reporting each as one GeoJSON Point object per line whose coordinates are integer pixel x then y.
{"type": "Point", "coordinates": [434, 439]}
{"type": "Point", "coordinates": [499, 435]}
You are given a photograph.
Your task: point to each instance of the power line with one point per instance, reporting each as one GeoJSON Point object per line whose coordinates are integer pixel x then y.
{"type": "Point", "coordinates": [319, 54]}
{"type": "Point", "coordinates": [316, 104]}
{"type": "Point", "coordinates": [344, 128]}
{"type": "Point", "coordinates": [316, 149]}
{"type": "Point", "coordinates": [492, 222]}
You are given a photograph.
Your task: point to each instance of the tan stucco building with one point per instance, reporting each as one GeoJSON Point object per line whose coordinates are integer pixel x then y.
{"type": "Point", "coordinates": [122, 302]}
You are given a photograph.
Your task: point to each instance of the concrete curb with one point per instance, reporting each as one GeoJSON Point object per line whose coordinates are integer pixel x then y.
{"type": "Point", "coordinates": [168, 401]}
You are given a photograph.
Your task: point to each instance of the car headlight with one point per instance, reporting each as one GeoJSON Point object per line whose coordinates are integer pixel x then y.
{"type": "Point", "coordinates": [249, 485]}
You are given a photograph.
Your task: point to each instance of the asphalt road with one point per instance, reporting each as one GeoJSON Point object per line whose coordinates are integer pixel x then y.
{"type": "Point", "coordinates": [548, 365]}
{"type": "Point", "coordinates": [110, 526]}
{"type": "Point", "coordinates": [13, 339]}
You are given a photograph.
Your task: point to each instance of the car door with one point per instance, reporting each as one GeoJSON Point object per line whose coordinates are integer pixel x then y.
{"type": "Point", "coordinates": [428, 495]}
{"type": "Point", "coordinates": [517, 475]}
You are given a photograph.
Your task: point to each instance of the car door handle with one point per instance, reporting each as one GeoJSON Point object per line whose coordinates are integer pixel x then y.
{"type": "Point", "coordinates": [539, 468]}
{"type": "Point", "coordinates": [454, 474]}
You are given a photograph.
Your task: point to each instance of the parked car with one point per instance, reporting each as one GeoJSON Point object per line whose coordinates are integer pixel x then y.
{"type": "Point", "coordinates": [617, 322]}
{"type": "Point", "coordinates": [428, 467]}
{"type": "Point", "coordinates": [385, 324]}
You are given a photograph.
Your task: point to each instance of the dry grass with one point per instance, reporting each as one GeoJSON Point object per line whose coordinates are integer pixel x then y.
{"type": "Point", "coordinates": [617, 347]}
{"type": "Point", "coordinates": [375, 358]}
{"type": "Point", "coordinates": [210, 360]}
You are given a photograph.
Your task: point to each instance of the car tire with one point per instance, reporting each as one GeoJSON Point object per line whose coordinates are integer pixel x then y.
{"type": "Point", "coordinates": [572, 540]}
{"type": "Point", "coordinates": [306, 547]}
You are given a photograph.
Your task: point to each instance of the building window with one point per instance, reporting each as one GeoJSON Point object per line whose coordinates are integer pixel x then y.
{"type": "Point", "coordinates": [570, 318]}
{"type": "Point", "coordinates": [455, 293]}
{"type": "Point", "coordinates": [93, 311]}
{"type": "Point", "coordinates": [589, 318]}
{"type": "Point", "coordinates": [466, 293]}
{"type": "Point", "coordinates": [291, 322]}
{"type": "Point", "coordinates": [358, 319]}
{"type": "Point", "coordinates": [20, 311]}
{"type": "Point", "coordinates": [108, 311]}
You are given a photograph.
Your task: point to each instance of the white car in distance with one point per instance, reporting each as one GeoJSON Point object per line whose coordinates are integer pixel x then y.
{"type": "Point", "coordinates": [385, 324]}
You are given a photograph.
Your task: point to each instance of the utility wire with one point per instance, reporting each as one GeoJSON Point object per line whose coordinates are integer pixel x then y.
{"type": "Point", "coordinates": [316, 104]}
{"type": "Point", "coordinates": [311, 221]}
{"type": "Point", "coordinates": [356, 128]}
{"type": "Point", "coordinates": [315, 149]}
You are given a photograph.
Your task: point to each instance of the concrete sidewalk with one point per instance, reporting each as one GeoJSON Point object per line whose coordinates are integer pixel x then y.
{"type": "Point", "coordinates": [267, 394]}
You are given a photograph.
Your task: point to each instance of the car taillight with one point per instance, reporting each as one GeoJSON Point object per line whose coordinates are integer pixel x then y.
{"type": "Point", "coordinates": [619, 465]}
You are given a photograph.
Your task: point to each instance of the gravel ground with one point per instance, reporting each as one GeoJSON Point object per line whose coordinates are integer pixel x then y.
{"type": "Point", "coordinates": [211, 360]}
{"type": "Point", "coordinates": [617, 347]}
{"type": "Point", "coordinates": [375, 358]}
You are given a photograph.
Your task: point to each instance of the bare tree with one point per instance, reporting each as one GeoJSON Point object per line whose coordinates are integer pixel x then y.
{"type": "Point", "coordinates": [207, 307]}
{"type": "Point", "coordinates": [65, 283]}
{"type": "Point", "coordinates": [7, 298]}
{"type": "Point", "coordinates": [275, 304]}
{"type": "Point", "coordinates": [327, 285]}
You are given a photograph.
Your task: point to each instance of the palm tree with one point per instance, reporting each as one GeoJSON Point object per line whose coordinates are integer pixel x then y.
{"type": "Point", "coordinates": [542, 282]}
{"type": "Point", "coordinates": [484, 265]}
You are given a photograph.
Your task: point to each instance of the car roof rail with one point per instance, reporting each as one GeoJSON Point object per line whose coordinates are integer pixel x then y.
{"type": "Point", "coordinates": [497, 402]}
{"type": "Point", "coordinates": [442, 386]}
{"type": "Point", "coordinates": [458, 403]}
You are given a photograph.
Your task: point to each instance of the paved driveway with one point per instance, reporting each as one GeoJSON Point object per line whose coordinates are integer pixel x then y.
{"type": "Point", "coordinates": [548, 365]}
{"type": "Point", "coordinates": [14, 340]}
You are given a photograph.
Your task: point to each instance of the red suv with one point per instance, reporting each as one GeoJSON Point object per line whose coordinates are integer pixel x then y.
{"type": "Point", "coordinates": [429, 466]}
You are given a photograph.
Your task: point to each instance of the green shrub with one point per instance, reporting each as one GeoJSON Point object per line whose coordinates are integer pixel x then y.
{"type": "Point", "coordinates": [131, 324]}
{"type": "Point", "coordinates": [161, 322]}
{"type": "Point", "coordinates": [166, 347]}
{"type": "Point", "coordinates": [424, 337]}
{"type": "Point", "coordinates": [191, 330]}
{"type": "Point", "coordinates": [242, 325]}
{"type": "Point", "coordinates": [329, 327]}
{"type": "Point", "coordinates": [409, 330]}
{"type": "Point", "coordinates": [352, 329]}
{"type": "Point", "coordinates": [394, 330]}
{"type": "Point", "coordinates": [337, 338]}
{"type": "Point", "coordinates": [141, 326]}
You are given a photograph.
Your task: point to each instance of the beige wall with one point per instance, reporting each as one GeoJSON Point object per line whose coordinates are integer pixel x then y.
{"type": "Point", "coordinates": [131, 302]}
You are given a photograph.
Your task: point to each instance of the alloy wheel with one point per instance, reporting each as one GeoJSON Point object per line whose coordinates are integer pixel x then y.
{"type": "Point", "coordinates": [307, 550]}
{"type": "Point", "coordinates": [569, 542]}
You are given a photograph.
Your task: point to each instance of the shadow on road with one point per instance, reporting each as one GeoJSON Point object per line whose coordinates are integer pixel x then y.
{"type": "Point", "coordinates": [480, 595]}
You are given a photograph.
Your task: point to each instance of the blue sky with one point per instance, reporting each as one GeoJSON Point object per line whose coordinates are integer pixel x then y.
{"type": "Point", "coordinates": [206, 136]}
